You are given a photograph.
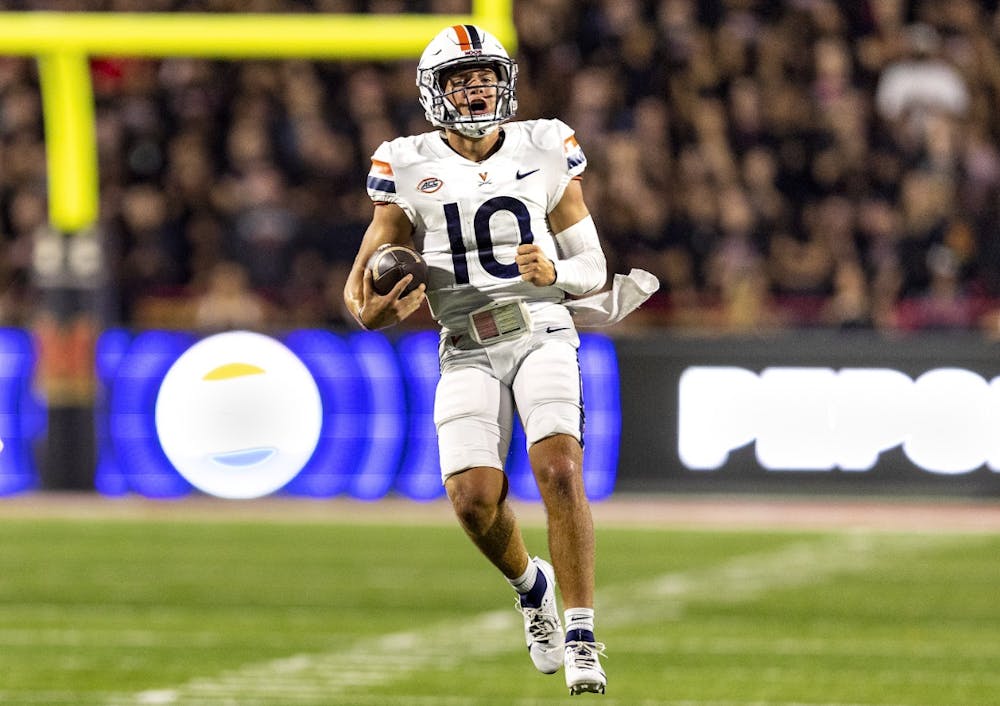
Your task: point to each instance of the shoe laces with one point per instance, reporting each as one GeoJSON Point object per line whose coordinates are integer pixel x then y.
{"type": "Point", "coordinates": [540, 625]}
{"type": "Point", "coordinates": [585, 654]}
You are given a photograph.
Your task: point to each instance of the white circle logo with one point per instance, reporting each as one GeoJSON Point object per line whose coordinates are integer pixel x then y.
{"type": "Point", "coordinates": [238, 415]}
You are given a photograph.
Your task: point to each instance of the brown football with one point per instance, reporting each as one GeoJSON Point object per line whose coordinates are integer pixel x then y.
{"type": "Point", "coordinates": [390, 263]}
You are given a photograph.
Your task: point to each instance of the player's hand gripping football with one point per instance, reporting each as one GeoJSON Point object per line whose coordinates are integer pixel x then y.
{"type": "Point", "coordinates": [379, 311]}
{"type": "Point", "coordinates": [534, 266]}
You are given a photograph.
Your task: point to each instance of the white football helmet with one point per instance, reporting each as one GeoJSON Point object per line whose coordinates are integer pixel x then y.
{"type": "Point", "coordinates": [465, 47]}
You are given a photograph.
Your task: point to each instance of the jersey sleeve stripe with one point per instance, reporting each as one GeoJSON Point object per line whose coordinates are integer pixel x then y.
{"type": "Point", "coordinates": [387, 186]}
{"type": "Point", "coordinates": [381, 167]}
{"type": "Point", "coordinates": [574, 154]}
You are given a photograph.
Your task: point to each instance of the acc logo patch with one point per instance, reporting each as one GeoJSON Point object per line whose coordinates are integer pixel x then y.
{"type": "Point", "coordinates": [429, 185]}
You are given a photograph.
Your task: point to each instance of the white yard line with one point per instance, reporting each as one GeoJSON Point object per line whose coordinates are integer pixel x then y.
{"type": "Point", "coordinates": [341, 676]}
{"type": "Point", "coordinates": [745, 577]}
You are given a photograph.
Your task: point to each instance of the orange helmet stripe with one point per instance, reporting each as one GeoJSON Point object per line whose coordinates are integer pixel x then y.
{"type": "Point", "coordinates": [464, 40]}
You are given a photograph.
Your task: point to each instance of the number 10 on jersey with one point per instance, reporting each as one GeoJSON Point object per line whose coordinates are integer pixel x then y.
{"type": "Point", "coordinates": [487, 237]}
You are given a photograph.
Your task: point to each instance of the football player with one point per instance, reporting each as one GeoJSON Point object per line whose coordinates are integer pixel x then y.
{"type": "Point", "coordinates": [497, 210]}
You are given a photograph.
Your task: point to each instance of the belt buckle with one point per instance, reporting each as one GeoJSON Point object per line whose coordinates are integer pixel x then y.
{"type": "Point", "coordinates": [499, 322]}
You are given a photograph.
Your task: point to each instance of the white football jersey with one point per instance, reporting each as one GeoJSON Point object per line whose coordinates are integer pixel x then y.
{"type": "Point", "coordinates": [469, 217]}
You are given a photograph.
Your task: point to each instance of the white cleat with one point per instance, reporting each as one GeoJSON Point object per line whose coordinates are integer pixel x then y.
{"type": "Point", "coordinates": [584, 674]}
{"type": "Point", "coordinates": [542, 628]}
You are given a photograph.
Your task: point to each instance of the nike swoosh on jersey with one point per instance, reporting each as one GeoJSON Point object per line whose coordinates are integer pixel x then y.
{"type": "Point", "coordinates": [553, 329]}
{"type": "Point", "coordinates": [521, 175]}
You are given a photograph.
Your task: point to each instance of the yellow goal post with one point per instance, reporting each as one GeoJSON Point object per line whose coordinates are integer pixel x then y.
{"type": "Point", "coordinates": [63, 43]}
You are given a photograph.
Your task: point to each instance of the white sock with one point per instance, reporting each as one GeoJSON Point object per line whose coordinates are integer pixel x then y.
{"type": "Point", "coordinates": [579, 619]}
{"type": "Point", "coordinates": [524, 582]}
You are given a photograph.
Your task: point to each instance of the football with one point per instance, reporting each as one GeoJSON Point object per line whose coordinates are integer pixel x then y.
{"type": "Point", "coordinates": [390, 263]}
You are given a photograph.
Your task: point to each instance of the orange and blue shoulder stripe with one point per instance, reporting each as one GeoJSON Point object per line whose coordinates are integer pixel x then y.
{"type": "Point", "coordinates": [381, 178]}
{"type": "Point", "coordinates": [574, 153]}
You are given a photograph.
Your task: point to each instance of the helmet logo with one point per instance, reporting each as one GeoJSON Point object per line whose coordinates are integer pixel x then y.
{"type": "Point", "coordinates": [429, 185]}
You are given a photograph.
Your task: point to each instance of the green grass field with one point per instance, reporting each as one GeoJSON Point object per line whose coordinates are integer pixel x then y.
{"type": "Point", "coordinates": [132, 612]}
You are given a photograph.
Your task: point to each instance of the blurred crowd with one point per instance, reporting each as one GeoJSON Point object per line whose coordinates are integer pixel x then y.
{"type": "Point", "coordinates": [804, 163]}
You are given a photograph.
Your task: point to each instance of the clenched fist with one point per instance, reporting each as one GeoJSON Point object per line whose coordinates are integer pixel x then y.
{"type": "Point", "coordinates": [534, 266]}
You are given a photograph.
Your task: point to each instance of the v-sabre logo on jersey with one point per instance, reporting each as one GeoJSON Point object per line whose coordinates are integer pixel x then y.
{"type": "Point", "coordinates": [818, 419]}
{"type": "Point", "coordinates": [484, 179]}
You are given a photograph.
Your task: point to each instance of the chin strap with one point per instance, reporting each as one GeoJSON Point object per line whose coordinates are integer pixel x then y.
{"type": "Point", "coordinates": [584, 268]}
